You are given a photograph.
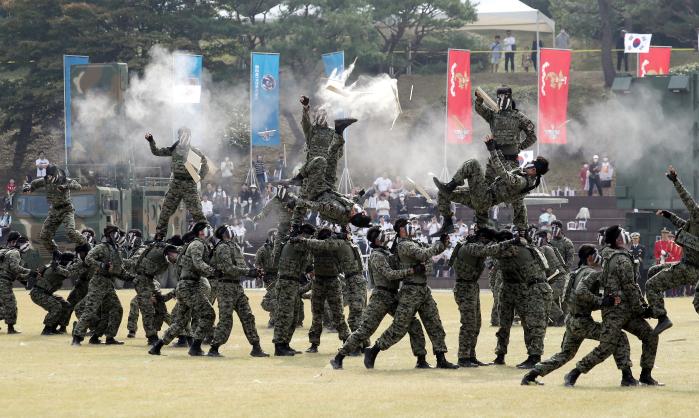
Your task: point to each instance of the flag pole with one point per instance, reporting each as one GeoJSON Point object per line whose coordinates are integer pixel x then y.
{"type": "Point", "coordinates": [444, 175]}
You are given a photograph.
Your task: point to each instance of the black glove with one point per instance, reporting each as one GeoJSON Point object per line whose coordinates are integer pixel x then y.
{"type": "Point", "coordinates": [666, 214]}
{"type": "Point", "coordinates": [491, 145]}
{"type": "Point", "coordinates": [253, 272]}
{"type": "Point", "coordinates": [149, 137]}
{"type": "Point", "coordinates": [158, 297]}
{"type": "Point", "coordinates": [608, 300]}
{"type": "Point", "coordinates": [305, 100]}
{"type": "Point", "coordinates": [444, 238]}
{"type": "Point", "coordinates": [419, 268]}
{"type": "Point", "coordinates": [647, 312]}
{"type": "Point", "coordinates": [218, 273]}
{"type": "Point", "coordinates": [671, 175]}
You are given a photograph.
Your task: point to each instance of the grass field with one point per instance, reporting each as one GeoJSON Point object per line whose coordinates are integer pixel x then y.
{"type": "Point", "coordinates": [45, 376]}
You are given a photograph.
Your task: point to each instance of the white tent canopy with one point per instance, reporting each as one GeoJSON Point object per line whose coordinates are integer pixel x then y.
{"type": "Point", "coordinates": [509, 14]}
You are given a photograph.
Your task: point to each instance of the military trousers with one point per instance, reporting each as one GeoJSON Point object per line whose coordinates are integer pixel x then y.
{"type": "Point", "coordinates": [58, 309]}
{"type": "Point", "coordinates": [193, 305]}
{"type": "Point", "coordinates": [8, 302]}
{"type": "Point", "coordinates": [467, 297]}
{"type": "Point", "coordinates": [55, 218]}
{"type": "Point", "coordinates": [327, 288]}
{"type": "Point", "coordinates": [287, 289]}
{"type": "Point", "coordinates": [232, 298]}
{"type": "Point", "coordinates": [100, 296]}
{"type": "Point", "coordinates": [676, 275]}
{"type": "Point", "coordinates": [180, 190]}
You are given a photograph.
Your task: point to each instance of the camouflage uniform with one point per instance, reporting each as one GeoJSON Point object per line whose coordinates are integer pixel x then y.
{"type": "Point", "coordinates": [384, 300]}
{"type": "Point", "coordinates": [326, 287]}
{"type": "Point", "coordinates": [686, 272]}
{"type": "Point", "coordinates": [101, 293]}
{"type": "Point", "coordinates": [293, 261]}
{"type": "Point", "coordinates": [557, 274]}
{"type": "Point", "coordinates": [61, 211]}
{"type": "Point", "coordinates": [481, 193]}
{"type": "Point", "coordinates": [81, 274]}
{"type": "Point", "coordinates": [468, 259]}
{"type": "Point", "coordinates": [354, 290]}
{"type": "Point", "coordinates": [582, 297]}
{"type": "Point", "coordinates": [495, 282]}
{"type": "Point", "coordinates": [264, 259]}
{"type": "Point", "coordinates": [42, 294]}
{"type": "Point", "coordinates": [192, 298]}
{"type": "Point", "coordinates": [10, 270]}
{"type": "Point", "coordinates": [619, 278]}
{"type": "Point", "coordinates": [228, 257]}
{"type": "Point", "coordinates": [565, 248]}
{"type": "Point", "coordinates": [525, 290]}
{"type": "Point", "coordinates": [182, 185]}
{"type": "Point", "coordinates": [415, 297]}
{"type": "Point", "coordinates": [506, 127]}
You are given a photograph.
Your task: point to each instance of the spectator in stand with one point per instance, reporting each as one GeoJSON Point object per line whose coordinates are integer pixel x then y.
{"type": "Point", "coordinates": [461, 228]}
{"type": "Point", "coordinates": [220, 203]}
{"type": "Point", "coordinates": [606, 173]}
{"type": "Point", "coordinates": [385, 225]}
{"type": "Point", "coordinates": [10, 191]}
{"type": "Point", "coordinates": [526, 62]}
{"type": "Point", "coordinates": [209, 190]}
{"type": "Point", "coordinates": [495, 54]}
{"type": "Point", "coordinates": [236, 208]}
{"type": "Point", "coordinates": [41, 164]}
{"type": "Point", "coordinates": [260, 172]}
{"type": "Point", "coordinates": [535, 53]}
{"type": "Point", "coordinates": [665, 250]}
{"type": "Point", "coordinates": [546, 217]}
{"type": "Point", "coordinates": [227, 168]}
{"type": "Point", "coordinates": [620, 54]}
{"type": "Point", "coordinates": [401, 206]}
{"type": "Point", "coordinates": [397, 187]}
{"type": "Point", "coordinates": [420, 237]}
{"type": "Point", "coordinates": [6, 220]}
{"type": "Point", "coordinates": [279, 168]}
{"type": "Point", "coordinates": [383, 184]}
{"type": "Point", "coordinates": [207, 207]}
{"type": "Point", "coordinates": [638, 252]}
{"type": "Point", "coordinates": [593, 176]}
{"type": "Point", "coordinates": [563, 40]}
{"type": "Point", "coordinates": [255, 200]}
{"type": "Point", "coordinates": [433, 226]}
{"type": "Point", "coordinates": [583, 176]}
{"type": "Point", "coordinates": [239, 230]}
{"type": "Point", "coordinates": [509, 46]}
{"type": "Point", "coordinates": [370, 206]}
{"type": "Point", "coordinates": [383, 207]}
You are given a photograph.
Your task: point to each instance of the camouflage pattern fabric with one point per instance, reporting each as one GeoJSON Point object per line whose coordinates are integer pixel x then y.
{"type": "Point", "coordinates": [495, 282]}
{"type": "Point", "coordinates": [58, 309]}
{"type": "Point", "coordinates": [192, 303]}
{"type": "Point", "coordinates": [326, 288]}
{"type": "Point", "coordinates": [287, 289]}
{"type": "Point", "coordinates": [556, 280]}
{"type": "Point", "coordinates": [506, 127]}
{"type": "Point", "coordinates": [10, 270]}
{"type": "Point", "coordinates": [565, 248]}
{"type": "Point", "coordinates": [81, 274]}
{"type": "Point", "coordinates": [61, 211]}
{"type": "Point", "coordinates": [231, 299]}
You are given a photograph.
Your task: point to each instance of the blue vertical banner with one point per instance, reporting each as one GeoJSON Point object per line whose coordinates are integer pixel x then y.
{"type": "Point", "coordinates": [334, 61]}
{"type": "Point", "coordinates": [68, 61]}
{"type": "Point", "coordinates": [264, 100]}
{"type": "Point", "coordinates": [187, 83]}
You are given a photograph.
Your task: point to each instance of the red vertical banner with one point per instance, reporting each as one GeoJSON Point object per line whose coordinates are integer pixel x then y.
{"type": "Point", "coordinates": [654, 62]}
{"type": "Point", "coordinates": [459, 118]}
{"type": "Point", "coordinates": [554, 79]}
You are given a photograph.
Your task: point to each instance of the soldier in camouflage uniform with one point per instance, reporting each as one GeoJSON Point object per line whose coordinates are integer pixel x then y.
{"type": "Point", "coordinates": [684, 273]}
{"type": "Point", "coordinates": [10, 270]}
{"type": "Point", "coordinates": [108, 265]}
{"type": "Point", "coordinates": [326, 285]}
{"type": "Point", "coordinates": [582, 297]}
{"type": "Point", "coordinates": [495, 282]}
{"type": "Point", "coordinates": [42, 294]}
{"type": "Point", "coordinates": [182, 185]}
{"type": "Point", "coordinates": [228, 258]}
{"type": "Point", "coordinates": [481, 194]}
{"type": "Point", "coordinates": [468, 259]}
{"type": "Point", "coordinates": [507, 126]}
{"type": "Point", "coordinates": [81, 274]}
{"type": "Point", "coordinates": [61, 210]}
{"type": "Point", "coordinates": [354, 292]}
{"type": "Point", "coordinates": [414, 297]}
{"type": "Point", "coordinates": [384, 300]}
{"type": "Point", "coordinates": [562, 243]}
{"type": "Point", "coordinates": [265, 261]}
{"type": "Point", "coordinates": [557, 275]}
{"type": "Point", "coordinates": [525, 290]}
{"type": "Point", "coordinates": [192, 298]}
{"type": "Point", "coordinates": [294, 260]}
{"type": "Point", "coordinates": [619, 281]}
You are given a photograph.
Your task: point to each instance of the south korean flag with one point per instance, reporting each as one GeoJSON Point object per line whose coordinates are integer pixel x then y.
{"type": "Point", "coordinates": [636, 43]}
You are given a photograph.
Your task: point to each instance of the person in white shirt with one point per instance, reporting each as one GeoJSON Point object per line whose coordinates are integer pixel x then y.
{"type": "Point", "coordinates": [385, 225]}
{"type": "Point", "coordinates": [383, 207]}
{"type": "Point", "coordinates": [433, 226]}
{"type": "Point", "coordinates": [227, 168]}
{"type": "Point", "coordinates": [509, 46]}
{"type": "Point", "coordinates": [239, 230]}
{"type": "Point", "coordinates": [41, 164]}
{"type": "Point", "coordinates": [383, 184]}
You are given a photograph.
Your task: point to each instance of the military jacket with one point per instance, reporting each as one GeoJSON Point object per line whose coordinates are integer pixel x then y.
{"type": "Point", "coordinates": [179, 157]}
{"type": "Point", "coordinates": [382, 271]}
{"type": "Point", "coordinates": [58, 195]}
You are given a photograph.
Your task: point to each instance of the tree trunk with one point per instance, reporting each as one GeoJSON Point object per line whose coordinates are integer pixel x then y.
{"type": "Point", "coordinates": [605, 15]}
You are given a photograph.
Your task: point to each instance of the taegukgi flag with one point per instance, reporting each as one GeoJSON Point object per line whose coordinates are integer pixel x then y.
{"type": "Point", "coordinates": [635, 43]}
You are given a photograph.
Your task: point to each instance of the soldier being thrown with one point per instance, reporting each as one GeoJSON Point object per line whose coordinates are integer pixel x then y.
{"type": "Point", "coordinates": [481, 195]}
{"type": "Point", "coordinates": [182, 186]}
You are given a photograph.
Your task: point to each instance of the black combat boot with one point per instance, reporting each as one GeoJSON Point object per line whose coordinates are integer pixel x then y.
{"type": "Point", "coordinates": [76, 340]}
{"type": "Point", "coordinates": [11, 329]}
{"type": "Point", "coordinates": [442, 362]}
{"type": "Point", "coordinates": [422, 362]}
{"type": "Point", "coordinates": [48, 330]}
{"type": "Point", "coordinates": [499, 360]}
{"type": "Point", "coordinates": [312, 349]}
{"type": "Point", "coordinates": [627, 378]}
{"type": "Point", "coordinates": [447, 227]}
{"type": "Point", "coordinates": [529, 363]}
{"type": "Point", "coordinates": [190, 341]}
{"type": "Point", "coordinates": [664, 323]}
{"type": "Point", "coordinates": [530, 378]}
{"type": "Point", "coordinates": [280, 350]}
{"type": "Point", "coordinates": [478, 362]}
{"type": "Point", "coordinates": [213, 351]}
{"type": "Point", "coordinates": [342, 124]}
{"type": "Point", "coordinates": [370, 356]}
{"type": "Point", "coordinates": [195, 349]}
{"type": "Point", "coordinates": [131, 334]}
{"type": "Point", "coordinates": [647, 379]}
{"type": "Point", "coordinates": [113, 341]}
{"type": "Point", "coordinates": [356, 353]}
{"type": "Point", "coordinates": [208, 340]}
{"type": "Point", "coordinates": [155, 349]}
{"type": "Point", "coordinates": [293, 350]}
{"type": "Point", "coordinates": [448, 187]}
{"type": "Point", "coordinates": [61, 329]}
{"type": "Point", "coordinates": [95, 339]}
{"type": "Point", "coordinates": [257, 351]}
{"type": "Point", "coordinates": [181, 342]}
{"type": "Point", "coordinates": [152, 339]}
{"type": "Point", "coordinates": [337, 361]}
{"type": "Point", "coordinates": [572, 377]}
{"type": "Point", "coordinates": [466, 362]}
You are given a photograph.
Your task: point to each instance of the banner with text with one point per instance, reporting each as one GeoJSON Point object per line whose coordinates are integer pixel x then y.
{"type": "Point", "coordinates": [187, 83]}
{"type": "Point", "coordinates": [654, 62]}
{"type": "Point", "coordinates": [459, 117]}
{"type": "Point", "coordinates": [69, 60]}
{"type": "Point", "coordinates": [264, 100]}
{"type": "Point", "coordinates": [554, 79]}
